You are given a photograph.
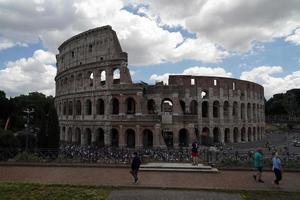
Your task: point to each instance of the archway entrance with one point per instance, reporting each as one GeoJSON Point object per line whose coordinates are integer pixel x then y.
{"type": "Point", "coordinates": [205, 136]}
{"type": "Point", "coordinates": [147, 138]}
{"type": "Point", "coordinates": [183, 138]}
{"type": "Point", "coordinates": [168, 138]}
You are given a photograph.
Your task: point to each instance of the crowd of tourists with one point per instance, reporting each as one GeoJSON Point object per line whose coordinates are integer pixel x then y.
{"type": "Point", "coordinates": [123, 155]}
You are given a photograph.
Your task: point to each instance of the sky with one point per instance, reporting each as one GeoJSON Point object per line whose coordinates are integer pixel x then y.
{"type": "Point", "coordinates": [257, 40]}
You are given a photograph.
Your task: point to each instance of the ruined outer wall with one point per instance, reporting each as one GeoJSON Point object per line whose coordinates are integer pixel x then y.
{"type": "Point", "coordinates": [96, 107]}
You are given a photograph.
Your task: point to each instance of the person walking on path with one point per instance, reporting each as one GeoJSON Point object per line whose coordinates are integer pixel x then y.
{"type": "Point", "coordinates": [195, 153]}
{"type": "Point", "coordinates": [277, 168]}
{"type": "Point", "coordinates": [135, 165]}
{"type": "Point", "coordinates": [258, 164]}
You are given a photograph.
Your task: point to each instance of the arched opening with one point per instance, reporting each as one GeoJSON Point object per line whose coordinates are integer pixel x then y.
{"type": "Point", "coordinates": [204, 94]}
{"type": "Point", "coordinates": [114, 137]}
{"type": "Point", "coordinates": [99, 142]}
{"type": "Point", "coordinates": [183, 138]}
{"type": "Point", "coordinates": [63, 134]}
{"type": "Point", "coordinates": [69, 135]}
{"type": "Point", "coordinates": [78, 107]}
{"type": "Point", "coordinates": [226, 109]}
{"type": "Point", "coordinates": [249, 135]}
{"type": "Point", "coordinates": [71, 81]}
{"type": "Point", "coordinates": [88, 137]}
{"type": "Point", "coordinates": [205, 136]}
{"type": "Point", "coordinates": [116, 76]}
{"type": "Point", "coordinates": [204, 109]}
{"type": "Point", "coordinates": [59, 109]}
{"type": "Point", "coordinates": [257, 112]}
{"type": "Point", "coordinates": [79, 80]}
{"type": "Point", "coordinates": [130, 105]}
{"type": "Point", "coordinates": [90, 76]}
{"type": "Point", "coordinates": [103, 77]}
{"type": "Point", "coordinates": [115, 106]}
{"type": "Point", "coordinates": [147, 138]}
{"type": "Point", "coordinates": [100, 107]}
{"type": "Point", "coordinates": [65, 108]}
{"type": "Point", "coordinates": [78, 136]}
{"type": "Point", "coordinates": [182, 106]}
{"type": "Point", "coordinates": [234, 110]}
{"type": "Point", "coordinates": [235, 135]}
{"type": "Point", "coordinates": [216, 109]}
{"type": "Point", "coordinates": [167, 105]}
{"type": "Point", "coordinates": [254, 134]}
{"type": "Point", "coordinates": [66, 83]}
{"type": "Point", "coordinates": [243, 134]}
{"type": "Point", "coordinates": [130, 138]}
{"type": "Point", "coordinates": [194, 107]}
{"type": "Point", "coordinates": [227, 135]}
{"type": "Point", "coordinates": [168, 138]}
{"type": "Point", "coordinates": [242, 111]}
{"type": "Point", "coordinates": [151, 106]}
{"type": "Point", "coordinates": [258, 133]}
{"type": "Point", "coordinates": [249, 111]}
{"type": "Point", "coordinates": [216, 135]}
{"type": "Point", "coordinates": [70, 110]}
{"type": "Point", "coordinates": [88, 107]}
{"type": "Point", "coordinates": [254, 112]}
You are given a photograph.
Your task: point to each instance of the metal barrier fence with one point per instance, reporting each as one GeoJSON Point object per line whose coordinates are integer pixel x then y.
{"type": "Point", "coordinates": [78, 154]}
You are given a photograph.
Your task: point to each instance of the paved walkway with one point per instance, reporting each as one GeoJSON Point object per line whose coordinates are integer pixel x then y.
{"type": "Point", "coordinates": [170, 194]}
{"type": "Point", "coordinates": [239, 180]}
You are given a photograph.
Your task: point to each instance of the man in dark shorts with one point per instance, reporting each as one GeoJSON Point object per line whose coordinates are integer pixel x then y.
{"type": "Point", "coordinates": [135, 165]}
{"type": "Point", "coordinates": [195, 153]}
{"type": "Point", "coordinates": [258, 164]}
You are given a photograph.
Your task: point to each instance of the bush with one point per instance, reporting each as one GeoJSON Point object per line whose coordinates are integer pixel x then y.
{"type": "Point", "coordinates": [27, 157]}
{"type": "Point", "coordinates": [8, 140]}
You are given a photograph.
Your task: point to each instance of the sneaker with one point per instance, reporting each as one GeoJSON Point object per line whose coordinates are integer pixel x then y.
{"type": "Point", "coordinates": [136, 181]}
{"type": "Point", "coordinates": [261, 181]}
{"type": "Point", "coordinates": [254, 176]}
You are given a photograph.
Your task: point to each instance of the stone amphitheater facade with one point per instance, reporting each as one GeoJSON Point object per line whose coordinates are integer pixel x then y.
{"type": "Point", "coordinates": [98, 104]}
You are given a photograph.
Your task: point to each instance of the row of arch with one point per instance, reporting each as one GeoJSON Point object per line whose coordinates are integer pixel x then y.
{"type": "Point", "coordinates": [235, 110]}
{"type": "Point", "coordinates": [87, 79]}
{"type": "Point", "coordinates": [183, 137]}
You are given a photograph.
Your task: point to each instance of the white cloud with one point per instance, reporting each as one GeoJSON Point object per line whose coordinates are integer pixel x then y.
{"type": "Point", "coordinates": [5, 44]}
{"type": "Point", "coordinates": [294, 38]}
{"type": "Point", "coordinates": [54, 21]}
{"type": "Point", "coordinates": [265, 75]}
{"type": "Point", "coordinates": [29, 74]}
{"type": "Point", "coordinates": [195, 71]}
{"type": "Point", "coordinates": [235, 25]}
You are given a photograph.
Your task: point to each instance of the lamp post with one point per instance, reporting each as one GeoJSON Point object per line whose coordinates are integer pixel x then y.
{"type": "Point", "coordinates": [28, 112]}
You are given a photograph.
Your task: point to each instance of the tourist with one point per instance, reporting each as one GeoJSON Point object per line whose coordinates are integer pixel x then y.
{"type": "Point", "coordinates": [195, 153]}
{"type": "Point", "coordinates": [258, 163]}
{"type": "Point", "coordinates": [277, 168]}
{"type": "Point", "coordinates": [135, 165]}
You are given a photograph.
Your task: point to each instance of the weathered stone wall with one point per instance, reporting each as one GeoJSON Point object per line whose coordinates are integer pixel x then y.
{"type": "Point", "coordinates": [97, 105]}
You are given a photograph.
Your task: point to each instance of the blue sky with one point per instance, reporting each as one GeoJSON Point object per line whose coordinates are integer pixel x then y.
{"type": "Point", "coordinates": [257, 41]}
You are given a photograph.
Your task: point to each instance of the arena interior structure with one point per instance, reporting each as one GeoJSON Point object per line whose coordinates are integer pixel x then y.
{"type": "Point", "coordinates": [99, 105]}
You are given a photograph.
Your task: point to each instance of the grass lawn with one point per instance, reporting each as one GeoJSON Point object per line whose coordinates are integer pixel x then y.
{"type": "Point", "coordinates": [16, 191]}
{"type": "Point", "coordinates": [268, 195]}
{"type": "Point", "coordinates": [28, 191]}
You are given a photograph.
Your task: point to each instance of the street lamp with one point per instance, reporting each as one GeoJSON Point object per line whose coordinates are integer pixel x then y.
{"type": "Point", "coordinates": [28, 112]}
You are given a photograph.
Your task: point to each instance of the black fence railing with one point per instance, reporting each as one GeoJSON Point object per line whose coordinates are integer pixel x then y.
{"type": "Point", "coordinates": [78, 154]}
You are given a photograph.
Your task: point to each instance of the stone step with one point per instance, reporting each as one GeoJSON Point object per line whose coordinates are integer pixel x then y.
{"type": "Point", "coordinates": [177, 167]}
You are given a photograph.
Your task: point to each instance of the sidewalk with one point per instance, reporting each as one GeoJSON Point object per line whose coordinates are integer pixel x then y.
{"type": "Point", "coordinates": [120, 177]}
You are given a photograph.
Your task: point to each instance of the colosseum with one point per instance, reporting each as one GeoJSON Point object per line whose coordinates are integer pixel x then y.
{"type": "Point", "coordinates": [98, 104]}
